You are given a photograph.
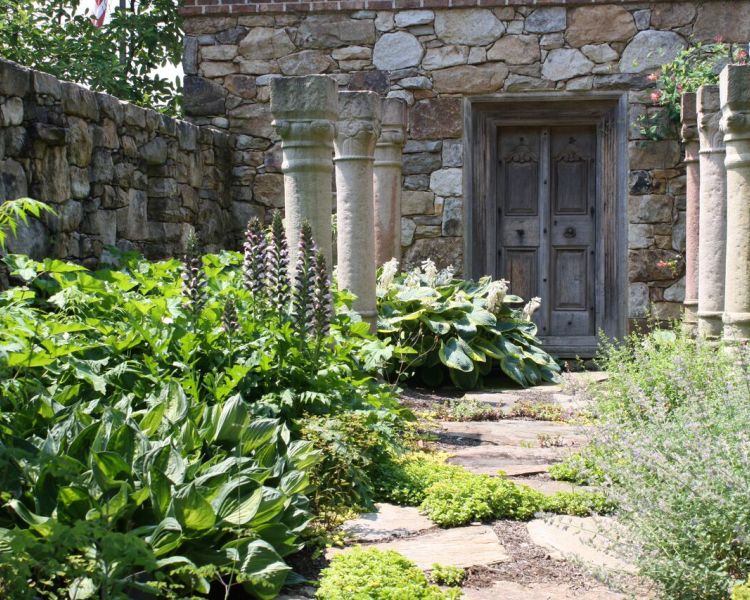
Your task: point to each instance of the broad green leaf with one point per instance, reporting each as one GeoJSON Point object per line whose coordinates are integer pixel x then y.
{"type": "Point", "coordinates": [419, 293]}
{"type": "Point", "coordinates": [510, 366]}
{"type": "Point", "coordinates": [192, 511]}
{"type": "Point", "coordinates": [238, 503]}
{"type": "Point", "coordinates": [262, 570]}
{"type": "Point", "coordinates": [482, 317]}
{"type": "Point", "coordinates": [453, 357]}
{"type": "Point", "coordinates": [232, 420]}
{"type": "Point", "coordinates": [258, 433]}
{"type": "Point", "coordinates": [436, 324]}
{"type": "Point", "coordinates": [109, 469]}
{"type": "Point", "coordinates": [166, 537]}
{"type": "Point", "coordinates": [271, 504]}
{"type": "Point", "coordinates": [294, 482]}
{"type": "Point", "coordinates": [26, 515]}
{"type": "Point", "coordinates": [474, 354]}
{"type": "Point", "coordinates": [465, 328]}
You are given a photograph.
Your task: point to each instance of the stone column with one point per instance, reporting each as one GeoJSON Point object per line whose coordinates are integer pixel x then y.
{"type": "Point", "coordinates": [356, 133]}
{"type": "Point", "coordinates": [734, 85]}
{"type": "Point", "coordinates": [713, 214]}
{"type": "Point", "coordinates": [304, 110]}
{"type": "Point", "coordinates": [689, 133]}
{"type": "Point", "coordinates": [387, 181]}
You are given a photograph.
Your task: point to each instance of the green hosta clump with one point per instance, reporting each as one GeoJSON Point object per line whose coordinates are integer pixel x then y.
{"type": "Point", "coordinates": [155, 411]}
{"type": "Point", "coordinates": [467, 329]}
{"type": "Point", "coordinates": [372, 574]}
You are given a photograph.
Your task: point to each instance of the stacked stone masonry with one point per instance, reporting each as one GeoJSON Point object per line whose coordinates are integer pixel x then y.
{"type": "Point", "coordinates": [116, 174]}
{"type": "Point", "coordinates": [433, 59]}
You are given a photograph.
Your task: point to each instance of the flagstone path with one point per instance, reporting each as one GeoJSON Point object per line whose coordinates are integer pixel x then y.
{"type": "Point", "coordinates": [550, 558]}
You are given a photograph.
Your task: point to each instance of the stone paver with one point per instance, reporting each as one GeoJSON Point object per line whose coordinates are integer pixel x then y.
{"type": "Point", "coordinates": [388, 522]}
{"type": "Point", "coordinates": [461, 547]}
{"type": "Point", "coordinates": [578, 538]}
{"type": "Point", "coordinates": [509, 590]}
{"type": "Point", "coordinates": [547, 486]}
{"type": "Point", "coordinates": [515, 433]}
{"type": "Point", "coordinates": [513, 460]}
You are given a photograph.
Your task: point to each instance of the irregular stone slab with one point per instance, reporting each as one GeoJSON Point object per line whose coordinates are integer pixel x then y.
{"type": "Point", "coordinates": [398, 50]}
{"type": "Point", "coordinates": [510, 590]}
{"type": "Point", "coordinates": [548, 487]}
{"type": "Point", "coordinates": [473, 26]}
{"type": "Point", "coordinates": [388, 522]}
{"type": "Point", "coordinates": [651, 49]}
{"type": "Point", "coordinates": [470, 546]}
{"type": "Point", "coordinates": [578, 538]}
{"type": "Point", "coordinates": [512, 460]}
{"type": "Point", "coordinates": [516, 432]}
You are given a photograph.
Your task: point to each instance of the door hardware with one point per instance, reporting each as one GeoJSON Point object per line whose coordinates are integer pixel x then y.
{"type": "Point", "coordinates": [570, 232]}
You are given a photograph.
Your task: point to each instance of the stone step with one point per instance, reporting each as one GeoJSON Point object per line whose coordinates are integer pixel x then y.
{"type": "Point", "coordinates": [471, 546]}
{"type": "Point", "coordinates": [509, 590]}
{"type": "Point", "coordinates": [513, 460]}
{"type": "Point", "coordinates": [582, 539]}
{"type": "Point", "coordinates": [390, 521]}
{"type": "Point", "coordinates": [513, 432]}
{"type": "Point", "coordinates": [548, 486]}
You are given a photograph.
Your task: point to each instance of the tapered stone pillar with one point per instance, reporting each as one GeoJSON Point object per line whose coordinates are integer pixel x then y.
{"type": "Point", "coordinates": [357, 131]}
{"type": "Point", "coordinates": [387, 181]}
{"type": "Point", "coordinates": [713, 214]}
{"type": "Point", "coordinates": [689, 134]}
{"type": "Point", "coordinates": [304, 113]}
{"type": "Point", "coordinates": [734, 84]}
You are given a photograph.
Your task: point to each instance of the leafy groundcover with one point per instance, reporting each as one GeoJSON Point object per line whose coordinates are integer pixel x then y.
{"type": "Point", "coordinates": [151, 416]}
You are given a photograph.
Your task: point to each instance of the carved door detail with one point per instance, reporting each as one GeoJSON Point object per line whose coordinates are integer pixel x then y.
{"type": "Point", "coordinates": [546, 234]}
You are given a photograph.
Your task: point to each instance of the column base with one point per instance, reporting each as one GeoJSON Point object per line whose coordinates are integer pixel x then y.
{"type": "Point", "coordinates": [737, 327]}
{"type": "Point", "coordinates": [710, 324]}
{"type": "Point", "coordinates": [690, 317]}
{"type": "Point", "coordinates": [370, 317]}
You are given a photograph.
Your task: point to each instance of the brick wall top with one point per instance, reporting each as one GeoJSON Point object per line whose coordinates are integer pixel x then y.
{"type": "Point", "coordinates": [243, 7]}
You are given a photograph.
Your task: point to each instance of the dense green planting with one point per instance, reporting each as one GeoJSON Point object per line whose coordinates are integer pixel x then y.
{"type": "Point", "coordinates": [465, 329]}
{"type": "Point", "coordinates": [372, 574]}
{"type": "Point", "coordinates": [672, 447]}
{"type": "Point", "coordinates": [150, 419]}
{"type": "Point", "coordinates": [452, 496]}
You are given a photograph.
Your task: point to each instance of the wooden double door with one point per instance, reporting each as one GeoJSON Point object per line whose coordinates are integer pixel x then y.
{"type": "Point", "coordinates": [545, 236]}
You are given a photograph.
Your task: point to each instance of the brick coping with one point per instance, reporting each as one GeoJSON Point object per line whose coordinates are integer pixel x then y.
{"type": "Point", "coordinates": [193, 8]}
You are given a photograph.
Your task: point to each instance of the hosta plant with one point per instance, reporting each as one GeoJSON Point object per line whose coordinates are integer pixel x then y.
{"type": "Point", "coordinates": [151, 418]}
{"type": "Point", "coordinates": [466, 329]}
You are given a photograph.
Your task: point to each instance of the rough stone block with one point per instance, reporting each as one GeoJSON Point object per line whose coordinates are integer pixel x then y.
{"type": "Point", "coordinates": [79, 101]}
{"type": "Point", "coordinates": [15, 80]}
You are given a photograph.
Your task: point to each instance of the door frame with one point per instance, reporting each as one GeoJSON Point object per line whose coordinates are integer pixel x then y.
{"type": "Point", "coordinates": [608, 111]}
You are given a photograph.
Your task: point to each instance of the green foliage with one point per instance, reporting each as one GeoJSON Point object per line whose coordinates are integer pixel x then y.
{"type": "Point", "coordinates": [465, 329]}
{"type": "Point", "coordinates": [447, 575]}
{"type": "Point", "coordinates": [58, 37]}
{"type": "Point", "coordinates": [351, 445]}
{"type": "Point", "coordinates": [161, 405]}
{"type": "Point", "coordinates": [672, 438]}
{"type": "Point", "coordinates": [452, 496]}
{"type": "Point", "coordinates": [471, 409]}
{"type": "Point", "coordinates": [741, 592]}
{"type": "Point", "coordinates": [14, 212]}
{"type": "Point", "coordinates": [372, 574]}
{"type": "Point", "coordinates": [580, 467]}
{"type": "Point", "coordinates": [697, 65]}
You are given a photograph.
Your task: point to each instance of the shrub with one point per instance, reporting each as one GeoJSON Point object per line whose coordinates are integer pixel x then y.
{"type": "Point", "coordinates": [674, 420]}
{"type": "Point", "coordinates": [447, 575]}
{"type": "Point", "coordinates": [741, 592]}
{"type": "Point", "coordinates": [161, 405]}
{"type": "Point", "coordinates": [465, 328]}
{"type": "Point", "coordinates": [372, 574]}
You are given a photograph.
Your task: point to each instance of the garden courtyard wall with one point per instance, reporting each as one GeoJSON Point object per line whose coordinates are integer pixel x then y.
{"type": "Point", "coordinates": [434, 54]}
{"type": "Point", "coordinates": [115, 173]}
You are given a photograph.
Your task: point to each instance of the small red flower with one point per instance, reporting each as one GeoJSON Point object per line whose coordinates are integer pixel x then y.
{"type": "Point", "coordinates": [656, 96]}
{"type": "Point", "coordinates": [719, 39]}
{"type": "Point", "coordinates": [652, 77]}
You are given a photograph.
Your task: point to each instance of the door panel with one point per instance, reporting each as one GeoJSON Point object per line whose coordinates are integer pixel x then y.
{"type": "Point", "coordinates": [546, 236]}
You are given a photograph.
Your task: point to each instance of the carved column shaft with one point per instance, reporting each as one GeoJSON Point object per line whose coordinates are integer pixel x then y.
{"type": "Point", "coordinates": [690, 139]}
{"type": "Point", "coordinates": [735, 105]}
{"type": "Point", "coordinates": [387, 181]}
{"type": "Point", "coordinates": [304, 110]}
{"type": "Point", "coordinates": [357, 131]}
{"type": "Point", "coordinates": [713, 214]}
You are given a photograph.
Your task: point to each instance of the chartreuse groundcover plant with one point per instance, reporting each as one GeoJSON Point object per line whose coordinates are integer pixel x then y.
{"type": "Point", "coordinates": [151, 419]}
{"type": "Point", "coordinates": [466, 329]}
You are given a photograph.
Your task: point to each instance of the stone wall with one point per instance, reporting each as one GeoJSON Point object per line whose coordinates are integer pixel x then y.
{"type": "Point", "coordinates": [115, 173]}
{"type": "Point", "coordinates": [432, 58]}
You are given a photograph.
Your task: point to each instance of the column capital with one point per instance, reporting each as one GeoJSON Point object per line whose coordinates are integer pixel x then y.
{"type": "Point", "coordinates": [358, 125]}
{"type": "Point", "coordinates": [709, 120]}
{"type": "Point", "coordinates": [306, 98]}
{"type": "Point", "coordinates": [689, 117]}
{"type": "Point", "coordinates": [734, 91]}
